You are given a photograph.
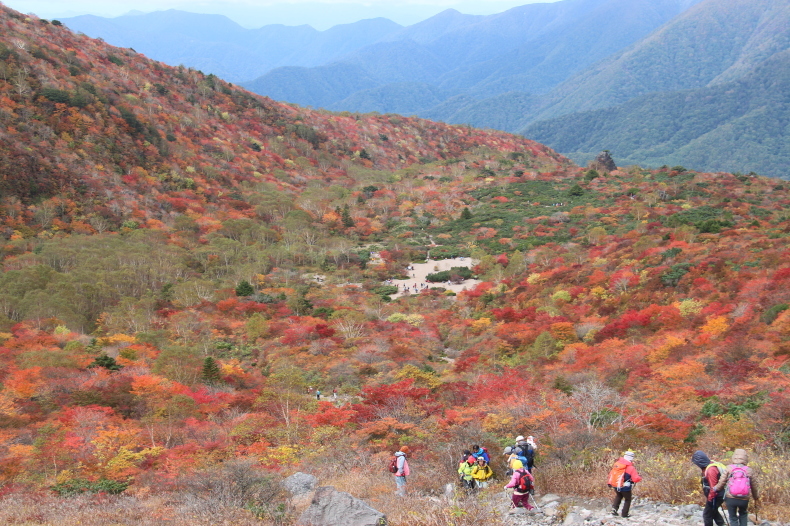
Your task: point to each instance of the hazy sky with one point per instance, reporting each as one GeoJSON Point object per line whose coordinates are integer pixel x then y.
{"type": "Point", "coordinates": [255, 13]}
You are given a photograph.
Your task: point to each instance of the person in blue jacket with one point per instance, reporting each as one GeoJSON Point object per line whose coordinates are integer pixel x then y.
{"type": "Point", "coordinates": [480, 452]}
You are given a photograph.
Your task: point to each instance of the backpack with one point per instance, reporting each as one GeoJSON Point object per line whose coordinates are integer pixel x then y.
{"type": "Point", "coordinates": [393, 464]}
{"type": "Point", "coordinates": [739, 484]}
{"type": "Point", "coordinates": [617, 475]}
{"type": "Point", "coordinates": [718, 465]}
{"type": "Point", "coordinates": [524, 481]}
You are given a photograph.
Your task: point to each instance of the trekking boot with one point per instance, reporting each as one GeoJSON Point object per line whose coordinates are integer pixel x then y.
{"type": "Point", "coordinates": [615, 512]}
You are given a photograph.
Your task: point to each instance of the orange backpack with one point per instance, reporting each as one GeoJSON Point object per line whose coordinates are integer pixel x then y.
{"type": "Point", "coordinates": [617, 475]}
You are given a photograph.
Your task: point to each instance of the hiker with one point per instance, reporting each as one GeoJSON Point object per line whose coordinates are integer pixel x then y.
{"type": "Point", "coordinates": [740, 483]}
{"type": "Point", "coordinates": [622, 478]}
{"type": "Point", "coordinates": [465, 469]}
{"type": "Point", "coordinates": [712, 472]}
{"type": "Point", "coordinates": [478, 452]}
{"type": "Point", "coordinates": [520, 449]}
{"type": "Point", "coordinates": [510, 460]}
{"type": "Point", "coordinates": [481, 472]}
{"type": "Point", "coordinates": [318, 395]}
{"type": "Point", "coordinates": [334, 393]}
{"type": "Point", "coordinates": [532, 448]}
{"type": "Point", "coordinates": [522, 484]}
{"type": "Point", "coordinates": [401, 471]}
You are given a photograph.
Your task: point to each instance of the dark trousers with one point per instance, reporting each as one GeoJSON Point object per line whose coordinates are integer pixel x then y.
{"type": "Point", "coordinates": [712, 512]}
{"type": "Point", "coordinates": [622, 496]}
{"type": "Point", "coordinates": [737, 509]}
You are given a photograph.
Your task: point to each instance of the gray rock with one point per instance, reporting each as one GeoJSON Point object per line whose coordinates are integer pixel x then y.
{"type": "Point", "coordinates": [338, 508]}
{"type": "Point", "coordinates": [300, 483]}
{"type": "Point", "coordinates": [571, 518]}
{"type": "Point", "coordinates": [549, 497]}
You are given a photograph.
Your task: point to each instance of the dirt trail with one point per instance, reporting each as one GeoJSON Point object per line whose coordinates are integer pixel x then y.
{"type": "Point", "coordinates": [420, 270]}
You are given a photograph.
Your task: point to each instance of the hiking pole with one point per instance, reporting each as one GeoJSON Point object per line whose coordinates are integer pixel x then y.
{"type": "Point", "coordinates": [534, 501]}
{"type": "Point", "coordinates": [724, 515]}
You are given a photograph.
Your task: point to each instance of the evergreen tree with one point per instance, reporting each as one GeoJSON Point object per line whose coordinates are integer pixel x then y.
{"type": "Point", "coordinates": [108, 362]}
{"type": "Point", "coordinates": [346, 218]}
{"type": "Point", "coordinates": [210, 372]}
{"type": "Point", "coordinates": [244, 289]}
{"type": "Point", "coordinates": [466, 214]}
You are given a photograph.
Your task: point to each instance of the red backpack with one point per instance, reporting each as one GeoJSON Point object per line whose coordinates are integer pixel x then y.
{"type": "Point", "coordinates": [524, 481]}
{"type": "Point", "coordinates": [393, 464]}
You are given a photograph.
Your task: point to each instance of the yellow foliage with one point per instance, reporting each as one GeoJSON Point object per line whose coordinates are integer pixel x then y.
{"type": "Point", "coordinates": [535, 278]}
{"type": "Point", "coordinates": [599, 291]}
{"type": "Point", "coordinates": [481, 324]}
{"type": "Point", "coordinates": [686, 372]}
{"type": "Point", "coordinates": [280, 455]}
{"type": "Point", "coordinates": [120, 338]}
{"type": "Point", "coordinates": [421, 378]}
{"type": "Point", "coordinates": [689, 307]}
{"type": "Point", "coordinates": [232, 368]}
{"type": "Point", "coordinates": [735, 432]}
{"type": "Point", "coordinates": [120, 464]}
{"type": "Point", "coordinates": [500, 423]}
{"type": "Point", "coordinates": [716, 325]}
{"type": "Point", "coordinates": [563, 331]}
{"type": "Point", "coordinates": [660, 353]}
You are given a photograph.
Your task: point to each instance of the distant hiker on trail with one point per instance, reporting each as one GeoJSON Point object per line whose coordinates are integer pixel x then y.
{"type": "Point", "coordinates": [740, 483]}
{"type": "Point", "coordinates": [531, 449]}
{"type": "Point", "coordinates": [465, 468]}
{"type": "Point", "coordinates": [401, 470]}
{"type": "Point", "coordinates": [334, 393]}
{"type": "Point", "coordinates": [520, 450]}
{"type": "Point", "coordinates": [318, 395]}
{"type": "Point", "coordinates": [510, 460]}
{"type": "Point", "coordinates": [482, 472]}
{"type": "Point", "coordinates": [712, 472]}
{"type": "Point", "coordinates": [622, 478]}
{"type": "Point", "coordinates": [478, 452]}
{"type": "Point", "coordinates": [523, 484]}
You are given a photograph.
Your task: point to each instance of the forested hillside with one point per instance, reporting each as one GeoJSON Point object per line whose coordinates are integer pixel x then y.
{"type": "Point", "coordinates": [738, 125]}
{"type": "Point", "coordinates": [182, 261]}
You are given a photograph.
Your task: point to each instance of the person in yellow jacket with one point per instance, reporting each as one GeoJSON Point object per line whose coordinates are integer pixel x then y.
{"type": "Point", "coordinates": [481, 473]}
{"type": "Point", "coordinates": [465, 472]}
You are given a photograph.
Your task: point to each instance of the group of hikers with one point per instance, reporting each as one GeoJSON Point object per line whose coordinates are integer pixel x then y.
{"type": "Point", "coordinates": [475, 471]}
{"type": "Point", "coordinates": [731, 485]}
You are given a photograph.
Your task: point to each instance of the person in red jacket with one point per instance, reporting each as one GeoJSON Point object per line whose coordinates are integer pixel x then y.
{"type": "Point", "coordinates": [712, 472]}
{"type": "Point", "coordinates": [622, 479]}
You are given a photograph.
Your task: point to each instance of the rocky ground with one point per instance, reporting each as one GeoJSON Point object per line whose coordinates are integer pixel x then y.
{"type": "Point", "coordinates": [556, 510]}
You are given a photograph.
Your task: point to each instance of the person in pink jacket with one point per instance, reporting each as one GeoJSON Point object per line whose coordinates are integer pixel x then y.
{"type": "Point", "coordinates": [403, 471]}
{"type": "Point", "coordinates": [520, 494]}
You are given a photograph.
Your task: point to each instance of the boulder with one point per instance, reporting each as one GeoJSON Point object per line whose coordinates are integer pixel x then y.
{"type": "Point", "coordinates": [330, 507]}
{"type": "Point", "coordinates": [300, 483]}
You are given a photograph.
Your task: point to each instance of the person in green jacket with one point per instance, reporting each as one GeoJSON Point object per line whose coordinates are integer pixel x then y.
{"type": "Point", "coordinates": [465, 469]}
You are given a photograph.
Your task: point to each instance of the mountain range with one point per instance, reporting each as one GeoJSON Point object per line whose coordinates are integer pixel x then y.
{"type": "Point", "coordinates": [538, 69]}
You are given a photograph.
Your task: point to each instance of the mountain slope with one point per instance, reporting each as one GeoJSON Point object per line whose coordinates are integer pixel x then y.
{"type": "Point", "coordinates": [715, 41]}
{"type": "Point", "coordinates": [531, 48]}
{"type": "Point", "coordinates": [215, 44]}
{"type": "Point", "coordinates": [738, 125]}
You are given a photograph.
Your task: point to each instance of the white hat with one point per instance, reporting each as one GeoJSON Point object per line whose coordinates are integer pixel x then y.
{"type": "Point", "coordinates": [519, 438]}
